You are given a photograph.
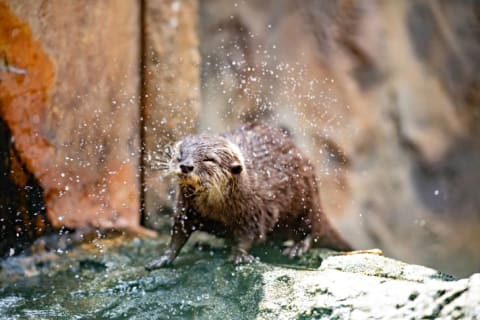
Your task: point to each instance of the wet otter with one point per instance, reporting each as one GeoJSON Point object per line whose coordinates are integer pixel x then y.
{"type": "Point", "coordinates": [247, 185]}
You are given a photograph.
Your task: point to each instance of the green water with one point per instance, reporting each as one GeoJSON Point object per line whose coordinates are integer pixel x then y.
{"type": "Point", "coordinates": [111, 283]}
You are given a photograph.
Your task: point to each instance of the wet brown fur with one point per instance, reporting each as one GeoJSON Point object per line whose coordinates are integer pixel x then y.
{"type": "Point", "coordinates": [274, 196]}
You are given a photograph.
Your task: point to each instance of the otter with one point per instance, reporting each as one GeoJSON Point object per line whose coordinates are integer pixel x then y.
{"type": "Point", "coordinates": [247, 185]}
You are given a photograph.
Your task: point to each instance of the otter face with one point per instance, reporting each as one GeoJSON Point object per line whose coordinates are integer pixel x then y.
{"type": "Point", "coordinates": [205, 164]}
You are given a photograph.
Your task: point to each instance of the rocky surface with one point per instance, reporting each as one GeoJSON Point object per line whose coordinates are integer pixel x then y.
{"type": "Point", "coordinates": [105, 278]}
{"type": "Point", "coordinates": [367, 287]}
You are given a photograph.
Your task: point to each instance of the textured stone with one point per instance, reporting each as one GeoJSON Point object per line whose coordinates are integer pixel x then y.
{"type": "Point", "coordinates": [171, 91]}
{"type": "Point", "coordinates": [73, 113]}
{"type": "Point", "coordinates": [107, 279]}
{"type": "Point", "coordinates": [22, 210]}
{"type": "Point", "coordinates": [23, 93]}
{"type": "Point", "coordinates": [345, 288]}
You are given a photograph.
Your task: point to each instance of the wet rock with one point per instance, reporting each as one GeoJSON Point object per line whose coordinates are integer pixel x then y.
{"type": "Point", "coordinates": [379, 266]}
{"type": "Point", "coordinates": [23, 215]}
{"type": "Point", "coordinates": [106, 279]}
{"type": "Point", "coordinates": [22, 210]}
{"type": "Point", "coordinates": [367, 287]}
{"type": "Point", "coordinates": [171, 99]}
{"type": "Point", "coordinates": [73, 113]}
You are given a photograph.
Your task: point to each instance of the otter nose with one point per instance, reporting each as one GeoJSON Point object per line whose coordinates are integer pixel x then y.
{"type": "Point", "coordinates": [186, 168]}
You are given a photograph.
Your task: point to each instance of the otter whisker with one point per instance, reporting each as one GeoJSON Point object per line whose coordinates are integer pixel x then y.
{"type": "Point", "coordinates": [158, 166]}
{"type": "Point", "coordinates": [167, 151]}
{"type": "Point", "coordinates": [161, 159]}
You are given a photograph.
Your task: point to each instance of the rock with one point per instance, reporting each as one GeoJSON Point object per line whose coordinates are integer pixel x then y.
{"type": "Point", "coordinates": [26, 76]}
{"type": "Point", "coordinates": [73, 113]}
{"type": "Point", "coordinates": [106, 279]}
{"type": "Point", "coordinates": [367, 287]}
{"type": "Point", "coordinates": [170, 105]}
{"type": "Point", "coordinates": [22, 212]}
{"type": "Point", "coordinates": [74, 98]}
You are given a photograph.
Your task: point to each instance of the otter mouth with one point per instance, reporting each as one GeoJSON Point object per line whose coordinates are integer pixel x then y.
{"type": "Point", "coordinates": [190, 185]}
{"type": "Point", "coordinates": [188, 191]}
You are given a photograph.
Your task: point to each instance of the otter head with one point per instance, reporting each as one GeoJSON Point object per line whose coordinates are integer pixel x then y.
{"type": "Point", "coordinates": [206, 165]}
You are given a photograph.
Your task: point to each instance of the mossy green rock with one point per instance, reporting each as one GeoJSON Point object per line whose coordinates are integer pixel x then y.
{"type": "Point", "coordinates": [109, 282]}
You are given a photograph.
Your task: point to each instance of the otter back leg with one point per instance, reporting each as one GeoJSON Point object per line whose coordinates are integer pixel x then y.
{"type": "Point", "coordinates": [298, 248]}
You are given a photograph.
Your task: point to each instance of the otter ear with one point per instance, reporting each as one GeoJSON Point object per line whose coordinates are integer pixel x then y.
{"type": "Point", "coordinates": [236, 168]}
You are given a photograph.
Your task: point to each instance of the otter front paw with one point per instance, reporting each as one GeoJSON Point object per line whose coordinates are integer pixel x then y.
{"type": "Point", "coordinates": [161, 262]}
{"type": "Point", "coordinates": [241, 258]}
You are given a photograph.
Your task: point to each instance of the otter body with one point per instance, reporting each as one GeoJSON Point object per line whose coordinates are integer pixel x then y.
{"type": "Point", "coordinates": [247, 185]}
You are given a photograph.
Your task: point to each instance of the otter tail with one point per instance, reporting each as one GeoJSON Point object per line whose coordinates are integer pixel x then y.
{"type": "Point", "coordinates": [331, 239]}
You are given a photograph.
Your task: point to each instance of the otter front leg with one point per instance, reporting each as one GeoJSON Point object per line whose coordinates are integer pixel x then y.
{"type": "Point", "coordinates": [177, 241]}
{"type": "Point", "coordinates": [240, 251]}
{"type": "Point", "coordinates": [180, 234]}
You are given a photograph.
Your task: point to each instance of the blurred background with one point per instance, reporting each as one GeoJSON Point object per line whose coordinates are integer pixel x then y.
{"type": "Point", "coordinates": [383, 95]}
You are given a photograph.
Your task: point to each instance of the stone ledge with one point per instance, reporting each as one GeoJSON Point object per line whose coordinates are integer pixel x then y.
{"type": "Point", "coordinates": [367, 286]}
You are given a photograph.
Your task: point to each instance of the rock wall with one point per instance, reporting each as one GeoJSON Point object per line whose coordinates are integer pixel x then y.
{"type": "Point", "coordinates": [22, 209]}
{"type": "Point", "coordinates": [171, 92]}
{"type": "Point", "coordinates": [81, 85]}
{"type": "Point", "coordinates": [74, 112]}
{"type": "Point", "coordinates": [383, 94]}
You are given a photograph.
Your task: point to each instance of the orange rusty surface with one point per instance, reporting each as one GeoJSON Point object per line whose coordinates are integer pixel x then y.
{"type": "Point", "coordinates": [24, 105]}
{"type": "Point", "coordinates": [26, 77]}
{"type": "Point", "coordinates": [19, 176]}
{"type": "Point", "coordinates": [24, 96]}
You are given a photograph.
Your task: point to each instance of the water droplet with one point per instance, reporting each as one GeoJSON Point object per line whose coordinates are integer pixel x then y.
{"type": "Point", "coordinates": [176, 6]}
